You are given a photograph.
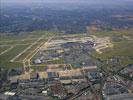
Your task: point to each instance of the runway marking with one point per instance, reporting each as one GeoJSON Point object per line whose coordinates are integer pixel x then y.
{"type": "Point", "coordinates": [6, 50]}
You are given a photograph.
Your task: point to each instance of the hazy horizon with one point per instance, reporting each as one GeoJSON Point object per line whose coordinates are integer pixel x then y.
{"type": "Point", "coordinates": [67, 1]}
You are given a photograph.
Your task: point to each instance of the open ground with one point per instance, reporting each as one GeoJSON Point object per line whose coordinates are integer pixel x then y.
{"type": "Point", "coordinates": [21, 51]}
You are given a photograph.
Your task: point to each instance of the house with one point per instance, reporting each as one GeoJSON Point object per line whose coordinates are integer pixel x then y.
{"type": "Point", "coordinates": [112, 89]}
{"type": "Point", "coordinates": [34, 76]}
{"type": "Point", "coordinates": [93, 75]}
{"type": "Point", "coordinates": [37, 61]}
{"type": "Point", "coordinates": [57, 90]}
{"type": "Point", "coordinates": [52, 75]}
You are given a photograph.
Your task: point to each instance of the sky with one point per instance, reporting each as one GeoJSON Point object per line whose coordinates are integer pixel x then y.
{"type": "Point", "coordinates": [66, 1]}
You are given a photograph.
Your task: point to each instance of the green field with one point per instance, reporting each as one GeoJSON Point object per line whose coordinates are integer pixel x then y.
{"type": "Point", "coordinates": [5, 58]}
{"type": "Point", "coordinates": [29, 35]}
{"type": "Point", "coordinates": [29, 52]}
{"type": "Point", "coordinates": [14, 42]}
{"type": "Point", "coordinates": [3, 48]}
{"type": "Point", "coordinates": [128, 32]}
{"type": "Point", "coordinates": [20, 43]}
{"type": "Point", "coordinates": [122, 48]}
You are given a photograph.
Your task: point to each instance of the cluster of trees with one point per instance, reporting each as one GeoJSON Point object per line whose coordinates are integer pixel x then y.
{"type": "Point", "coordinates": [67, 21]}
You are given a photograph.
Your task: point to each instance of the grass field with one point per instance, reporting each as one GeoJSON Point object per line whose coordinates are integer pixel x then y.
{"type": "Point", "coordinates": [19, 43]}
{"type": "Point", "coordinates": [3, 48]}
{"type": "Point", "coordinates": [5, 58]}
{"type": "Point", "coordinates": [122, 48]}
{"type": "Point", "coordinates": [128, 32]}
{"type": "Point", "coordinates": [29, 52]}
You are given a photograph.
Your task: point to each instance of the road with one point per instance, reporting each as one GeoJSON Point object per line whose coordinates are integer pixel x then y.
{"type": "Point", "coordinates": [34, 52]}
{"type": "Point", "coordinates": [84, 90]}
{"type": "Point", "coordinates": [43, 45]}
{"type": "Point", "coordinates": [19, 40]}
{"type": "Point", "coordinates": [78, 94]}
{"type": "Point", "coordinates": [6, 50]}
{"type": "Point", "coordinates": [12, 60]}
